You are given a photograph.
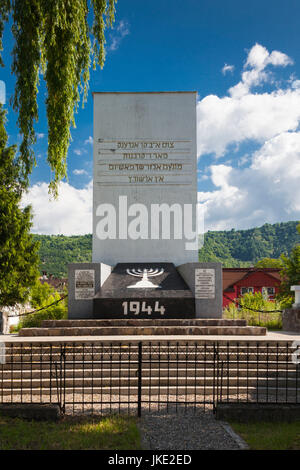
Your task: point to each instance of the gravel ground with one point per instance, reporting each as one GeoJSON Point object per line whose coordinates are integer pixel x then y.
{"type": "Point", "coordinates": [185, 431]}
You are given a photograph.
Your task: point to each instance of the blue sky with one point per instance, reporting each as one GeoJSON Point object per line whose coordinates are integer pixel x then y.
{"type": "Point", "coordinates": [243, 58]}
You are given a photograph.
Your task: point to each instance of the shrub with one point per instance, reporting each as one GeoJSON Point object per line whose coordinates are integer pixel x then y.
{"type": "Point", "coordinates": [42, 295]}
{"type": "Point", "coordinates": [254, 318]}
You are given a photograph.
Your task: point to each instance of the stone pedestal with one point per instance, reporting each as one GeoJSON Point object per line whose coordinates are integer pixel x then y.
{"type": "Point", "coordinates": [84, 280]}
{"type": "Point", "coordinates": [296, 289]}
{"type": "Point", "coordinates": [205, 281]}
{"type": "Point", "coordinates": [291, 319]}
{"type": "Point", "coordinates": [144, 290]}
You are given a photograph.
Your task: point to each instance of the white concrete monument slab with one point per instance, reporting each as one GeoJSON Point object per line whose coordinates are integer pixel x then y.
{"type": "Point", "coordinates": [145, 171]}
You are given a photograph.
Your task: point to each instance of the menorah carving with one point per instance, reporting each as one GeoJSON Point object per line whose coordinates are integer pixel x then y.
{"type": "Point", "coordinates": [144, 274]}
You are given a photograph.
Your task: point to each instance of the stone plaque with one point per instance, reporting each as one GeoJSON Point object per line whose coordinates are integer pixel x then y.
{"type": "Point", "coordinates": [205, 283]}
{"type": "Point", "coordinates": [84, 284]}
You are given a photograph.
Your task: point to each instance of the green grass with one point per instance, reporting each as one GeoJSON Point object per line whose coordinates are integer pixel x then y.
{"type": "Point", "coordinates": [271, 321]}
{"type": "Point", "coordinates": [109, 433]}
{"type": "Point", "coordinates": [269, 436]}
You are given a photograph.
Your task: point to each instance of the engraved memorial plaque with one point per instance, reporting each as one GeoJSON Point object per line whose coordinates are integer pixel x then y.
{"type": "Point", "coordinates": [84, 284]}
{"type": "Point", "coordinates": [204, 283]}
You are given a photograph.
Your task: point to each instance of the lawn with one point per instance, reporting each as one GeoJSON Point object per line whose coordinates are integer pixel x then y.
{"type": "Point", "coordinates": [269, 436]}
{"type": "Point", "coordinates": [71, 433]}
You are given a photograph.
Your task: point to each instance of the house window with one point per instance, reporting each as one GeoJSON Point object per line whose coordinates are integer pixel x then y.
{"type": "Point", "coordinates": [268, 290]}
{"type": "Point", "coordinates": [246, 290]}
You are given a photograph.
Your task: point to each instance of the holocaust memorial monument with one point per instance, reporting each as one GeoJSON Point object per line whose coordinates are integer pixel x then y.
{"type": "Point", "coordinates": [145, 277]}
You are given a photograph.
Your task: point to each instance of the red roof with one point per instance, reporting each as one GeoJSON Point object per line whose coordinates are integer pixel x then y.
{"type": "Point", "coordinates": [232, 276]}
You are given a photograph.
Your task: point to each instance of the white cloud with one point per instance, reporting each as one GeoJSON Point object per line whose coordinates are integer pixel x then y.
{"type": "Point", "coordinates": [263, 186]}
{"type": "Point", "coordinates": [259, 57]}
{"type": "Point", "coordinates": [71, 214]}
{"type": "Point", "coordinates": [257, 61]}
{"type": "Point", "coordinates": [78, 152]}
{"type": "Point", "coordinates": [40, 135]}
{"type": "Point", "coordinates": [120, 32]}
{"type": "Point", "coordinates": [231, 120]}
{"type": "Point", "coordinates": [267, 191]}
{"type": "Point", "coordinates": [79, 172]}
{"type": "Point", "coordinates": [90, 140]}
{"type": "Point", "coordinates": [244, 115]}
{"type": "Point", "coordinates": [2, 92]}
{"type": "Point", "coordinates": [227, 68]}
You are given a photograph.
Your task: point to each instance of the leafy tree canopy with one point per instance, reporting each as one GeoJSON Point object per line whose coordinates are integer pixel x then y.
{"type": "Point", "coordinates": [53, 39]}
{"type": "Point", "coordinates": [290, 274]}
{"type": "Point", "coordinates": [269, 263]}
{"type": "Point", "coordinates": [18, 250]}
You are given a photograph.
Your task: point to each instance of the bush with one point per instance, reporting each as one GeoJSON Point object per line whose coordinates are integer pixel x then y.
{"type": "Point", "coordinates": [256, 301]}
{"type": "Point", "coordinates": [42, 295]}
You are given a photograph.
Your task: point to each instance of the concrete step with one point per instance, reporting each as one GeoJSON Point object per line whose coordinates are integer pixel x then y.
{"type": "Point", "coordinates": [149, 330]}
{"type": "Point", "coordinates": [109, 391]}
{"type": "Point", "coordinates": [142, 322]}
{"type": "Point", "coordinates": [108, 368]}
{"type": "Point", "coordinates": [83, 382]}
{"type": "Point", "coordinates": [188, 350]}
{"type": "Point", "coordinates": [96, 372]}
{"type": "Point", "coordinates": [189, 378]}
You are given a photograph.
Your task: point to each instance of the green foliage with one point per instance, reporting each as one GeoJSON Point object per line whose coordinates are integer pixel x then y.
{"type": "Point", "coordinates": [239, 248]}
{"type": "Point", "coordinates": [18, 249]}
{"type": "Point", "coordinates": [4, 12]}
{"type": "Point", "coordinates": [56, 251]}
{"type": "Point", "coordinates": [53, 38]}
{"type": "Point", "coordinates": [42, 295]}
{"type": "Point", "coordinates": [256, 301]}
{"type": "Point", "coordinates": [269, 263]}
{"type": "Point", "coordinates": [290, 273]}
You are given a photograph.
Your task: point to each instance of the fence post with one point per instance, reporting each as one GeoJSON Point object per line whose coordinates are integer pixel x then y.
{"type": "Point", "coordinates": [215, 357]}
{"type": "Point", "coordinates": [60, 375]}
{"type": "Point", "coordinates": [140, 358]}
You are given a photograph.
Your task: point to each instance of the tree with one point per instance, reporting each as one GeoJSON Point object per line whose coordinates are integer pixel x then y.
{"type": "Point", "coordinates": [269, 263]}
{"type": "Point", "coordinates": [290, 273]}
{"type": "Point", "coordinates": [53, 38]}
{"type": "Point", "coordinates": [18, 250]}
{"type": "Point", "coordinates": [42, 295]}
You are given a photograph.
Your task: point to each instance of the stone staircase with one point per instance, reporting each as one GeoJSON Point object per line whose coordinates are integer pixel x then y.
{"type": "Point", "coordinates": [149, 327]}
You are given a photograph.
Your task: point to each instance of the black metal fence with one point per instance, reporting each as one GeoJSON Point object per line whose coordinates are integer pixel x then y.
{"type": "Point", "coordinates": [135, 377]}
{"type": "Point", "coordinates": [258, 373]}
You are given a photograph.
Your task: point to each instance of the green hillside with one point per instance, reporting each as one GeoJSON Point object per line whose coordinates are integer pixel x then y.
{"type": "Point", "coordinates": [233, 248]}
{"type": "Point", "coordinates": [245, 247]}
{"type": "Point", "coordinates": [56, 251]}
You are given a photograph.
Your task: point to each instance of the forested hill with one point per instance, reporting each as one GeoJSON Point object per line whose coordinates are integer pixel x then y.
{"type": "Point", "coordinates": [56, 251]}
{"type": "Point", "coordinates": [233, 248]}
{"type": "Point", "coordinates": [245, 247]}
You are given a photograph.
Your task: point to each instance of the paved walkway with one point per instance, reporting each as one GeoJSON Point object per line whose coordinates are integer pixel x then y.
{"type": "Point", "coordinates": [270, 336]}
{"type": "Point", "coordinates": [186, 431]}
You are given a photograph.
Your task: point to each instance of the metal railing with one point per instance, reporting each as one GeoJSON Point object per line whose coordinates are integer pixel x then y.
{"type": "Point", "coordinates": [258, 373]}
{"type": "Point", "coordinates": [157, 376]}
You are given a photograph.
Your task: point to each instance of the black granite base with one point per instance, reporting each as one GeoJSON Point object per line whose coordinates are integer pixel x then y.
{"type": "Point", "coordinates": [123, 295]}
